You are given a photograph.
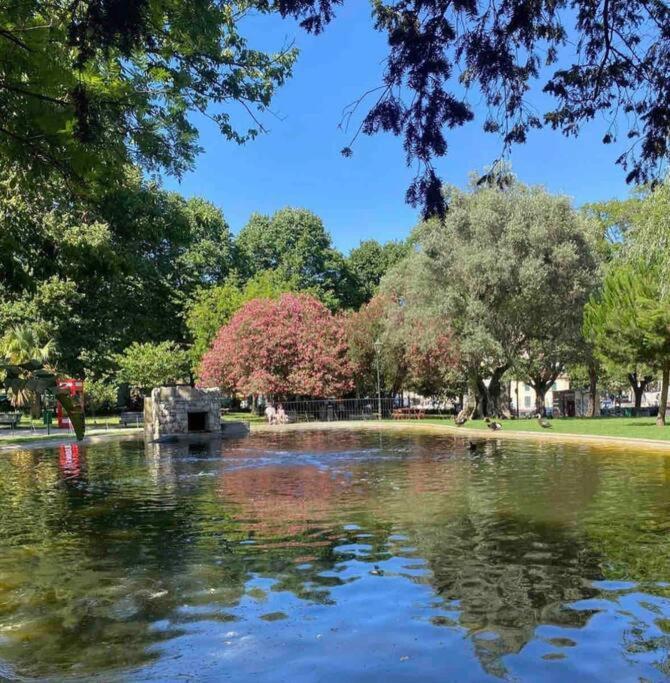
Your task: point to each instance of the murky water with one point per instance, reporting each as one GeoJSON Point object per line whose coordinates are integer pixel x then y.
{"type": "Point", "coordinates": [334, 557]}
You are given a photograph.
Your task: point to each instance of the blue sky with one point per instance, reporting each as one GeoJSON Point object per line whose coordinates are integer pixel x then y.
{"type": "Point", "coordinates": [298, 162]}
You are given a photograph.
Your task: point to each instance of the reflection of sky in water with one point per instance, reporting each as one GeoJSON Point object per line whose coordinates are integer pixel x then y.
{"type": "Point", "coordinates": [335, 556]}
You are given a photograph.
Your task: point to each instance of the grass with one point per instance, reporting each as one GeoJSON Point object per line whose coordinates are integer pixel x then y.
{"type": "Point", "coordinates": [245, 417]}
{"type": "Point", "coordinates": [617, 427]}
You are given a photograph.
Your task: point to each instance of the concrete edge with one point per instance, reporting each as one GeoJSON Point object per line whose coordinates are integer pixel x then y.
{"type": "Point", "coordinates": [418, 426]}
{"type": "Point", "coordinates": [67, 439]}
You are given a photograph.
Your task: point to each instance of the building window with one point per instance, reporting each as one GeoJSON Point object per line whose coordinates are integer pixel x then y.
{"type": "Point", "coordinates": [526, 401]}
{"type": "Point", "coordinates": [526, 387]}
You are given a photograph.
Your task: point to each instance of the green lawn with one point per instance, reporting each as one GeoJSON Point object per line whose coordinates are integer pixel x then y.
{"type": "Point", "coordinates": [627, 427]}
{"type": "Point", "coordinates": [245, 417]}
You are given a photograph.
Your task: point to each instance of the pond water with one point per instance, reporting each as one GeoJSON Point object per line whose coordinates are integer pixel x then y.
{"type": "Point", "coordinates": [334, 556]}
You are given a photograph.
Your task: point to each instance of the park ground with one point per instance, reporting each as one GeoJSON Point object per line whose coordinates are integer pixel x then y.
{"type": "Point", "coordinates": [614, 427]}
{"type": "Point", "coordinates": [588, 430]}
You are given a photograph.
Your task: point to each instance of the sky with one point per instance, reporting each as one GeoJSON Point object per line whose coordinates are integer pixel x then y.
{"type": "Point", "coordinates": [298, 162]}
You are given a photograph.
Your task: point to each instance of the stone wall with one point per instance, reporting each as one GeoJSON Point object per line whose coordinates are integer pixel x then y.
{"type": "Point", "coordinates": [166, 410]}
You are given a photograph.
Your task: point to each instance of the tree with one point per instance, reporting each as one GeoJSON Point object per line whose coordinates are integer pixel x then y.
{"type": "Point", "coordinates": [510, 269]}
{"type": "Point", "coordinates": [100, 394]}
{"type": "Point", "coordinates": [20, 346]}
{"type": "Point", "coordinates": [416, 352]}
{"type": "Point", "coordinates": [212, 308]}
{"type": "Point", "coordinates": [90, 86]}
{"type": "Point", "coordinates": [648, 234]}
{"type": "Point", "coordinates": [291, 346]}
{"type": "Point", "coordinates": [88, 274]}
{"type": "Point", "coordinates": [370, 341]}
{"type": "Point", "coordinates": [629, 323]}
{"type": "Point", "coordinates": [295, 243]}
{"type": "Point", "coordinates": [370, 261]}
{"type": "Point", "coordinates": [589, 57]}
{"type": "Point", "coordinates": [145, 366]}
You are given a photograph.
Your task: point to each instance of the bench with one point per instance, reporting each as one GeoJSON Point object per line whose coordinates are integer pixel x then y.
{"type": "Point", "coordinates": [10, 420]}
{"type": "Point", "coordinates": [408, 414]}
{"type": "Point", "coordinates": [131, 418]}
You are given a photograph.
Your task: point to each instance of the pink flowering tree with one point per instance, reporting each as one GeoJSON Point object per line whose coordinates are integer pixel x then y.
{"type": "Point", "coordinates": [291, 346]}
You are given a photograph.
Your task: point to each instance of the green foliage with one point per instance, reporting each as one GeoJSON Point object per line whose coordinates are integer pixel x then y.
{"type": "Point", "coordinates": [627, 321]}
{"type": "Point", "coordinates": [100, 394]}
{"type": "Point", "coordinates": [95, 278]}
{"type": "Point", "coordinates": [370, 261]}
{"type": "Point", "coordinates": [87, 89]}
{"type": "Point", "coordinates": [295, 243]}
{"type": "Point", "coordinates": [649, 238]}
{"type": "Point", "coordinates": [145, 366]}
{"type": "Point", "coordinates": [213, 308]}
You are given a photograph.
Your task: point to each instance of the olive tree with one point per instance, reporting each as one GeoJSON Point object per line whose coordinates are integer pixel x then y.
{"type": "Point", "coordinates": [510, 268]}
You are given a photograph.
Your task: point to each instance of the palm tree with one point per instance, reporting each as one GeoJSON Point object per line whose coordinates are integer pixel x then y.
{"type": "Point", "coordinates": [19, 345]}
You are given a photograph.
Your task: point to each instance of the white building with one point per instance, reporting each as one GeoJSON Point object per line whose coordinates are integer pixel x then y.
{"type": "Point", "coordinates": [523, 395]}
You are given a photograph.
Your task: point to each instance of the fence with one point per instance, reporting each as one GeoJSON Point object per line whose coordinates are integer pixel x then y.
{"type": "Point", "coordinates": [333, 410]}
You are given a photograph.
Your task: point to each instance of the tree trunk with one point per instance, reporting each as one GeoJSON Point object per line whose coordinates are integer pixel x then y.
{"type": "Point", "coordinates": [495, 403]}
{"type": "Point", "coordinates": [639, 387]}
{"type": "Point", "coordinates": [663, 401]}
{"type": "Point", "coordinates": [638, 390]}
{"type": "Point", "coordinates": [35, 405]}
{"type": "Point", "coordinates": [540, 393]}
{"type": "Point", "coordinates": [470, 401]}
{"type": "Point", "coordinates": [482, 399]}
{"type": "Point", "coordinates": [594, 408]}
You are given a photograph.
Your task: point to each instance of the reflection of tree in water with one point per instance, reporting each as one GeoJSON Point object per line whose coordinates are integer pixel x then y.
{"type": "Point", "coordinates": [130, 540]}
{"type": "Point", "coordinates": [94, 553]}
{"type": "Point", "coordinates": [94, 565]}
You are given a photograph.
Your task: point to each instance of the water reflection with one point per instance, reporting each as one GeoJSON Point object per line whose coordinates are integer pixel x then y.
{"type": "Point", "coordinates": [352, 555]}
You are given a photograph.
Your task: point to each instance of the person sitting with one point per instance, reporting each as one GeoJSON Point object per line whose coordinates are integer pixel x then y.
{"type": "Point", "coordinates": [271, 414]}
{"type": "Point", "coordinates": [281, 415]}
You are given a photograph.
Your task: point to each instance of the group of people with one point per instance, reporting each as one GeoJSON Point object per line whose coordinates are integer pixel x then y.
{"type": "Point", "coordinates": [276, 416]}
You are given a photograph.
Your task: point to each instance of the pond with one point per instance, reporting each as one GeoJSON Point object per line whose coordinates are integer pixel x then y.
{"type": "Point", "coordinates": [334, 556]}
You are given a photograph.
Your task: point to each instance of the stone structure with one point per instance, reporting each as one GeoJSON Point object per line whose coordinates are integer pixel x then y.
{"type": "Point", "coordinates": [180, 410]}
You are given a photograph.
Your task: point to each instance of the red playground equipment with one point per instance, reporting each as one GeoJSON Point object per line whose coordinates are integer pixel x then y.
{"type": "Point", "coordinates": [75, 388]}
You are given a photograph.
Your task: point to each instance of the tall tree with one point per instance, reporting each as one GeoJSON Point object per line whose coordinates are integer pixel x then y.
{"type": "Point", "coordinates": [629, 323]}
{"type": "Point", "coordinates": [292, 346]}
{"type": "Point", "coordinates": [89, 275]}
{"type": "Point", "coordinates": [213, 307]}
{"type": "Point", "coordinates": [295, 243]}
{"type": "Point", "coordinates": [587, 58]}
{"type": "Point", "coordinates": [510, 269]}
{"type": "Point", "coordinates": [370, 261]}
{"type": "Point", "coordinates": [87, 87]}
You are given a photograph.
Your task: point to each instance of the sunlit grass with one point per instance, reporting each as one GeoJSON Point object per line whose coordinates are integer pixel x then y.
{"type": "Point", "coordinates": [625, 427]}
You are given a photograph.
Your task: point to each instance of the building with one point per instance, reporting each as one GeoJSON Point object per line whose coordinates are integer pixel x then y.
{"type": "Point", "coordinates": [523, 395]}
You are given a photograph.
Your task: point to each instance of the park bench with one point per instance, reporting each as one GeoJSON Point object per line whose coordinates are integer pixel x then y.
{"type": "Point", "coordinates": [408, 414]}
{"type": "Point", "coordinates": [10, 420]}
{"type": "Point", "coordinates": [131, 418]}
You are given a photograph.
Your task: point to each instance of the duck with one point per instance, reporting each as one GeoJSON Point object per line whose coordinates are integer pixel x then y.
{"type": "Point", "coordinates": [460, 419]}
{"type": "Point", "coordinates": [472, 446]}
{"type": "Point", "coordinates": [493, 425]}
{"type": "Point", "coordinates": [377, 571]}
{"type": "Point", "coordinates": [543, 422]}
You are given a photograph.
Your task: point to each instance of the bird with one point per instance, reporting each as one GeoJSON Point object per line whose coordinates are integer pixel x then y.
{"type": "Point", "coordinates": [493, 425]}
{"type": "Point", "coordinates": [543, 422]}
{"type": "Point", "coordinates": [460, 419]}
{"type": "Point", "coordinates": [472, 446]}
{"type": "Point", "coordinates": [377, 571]}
